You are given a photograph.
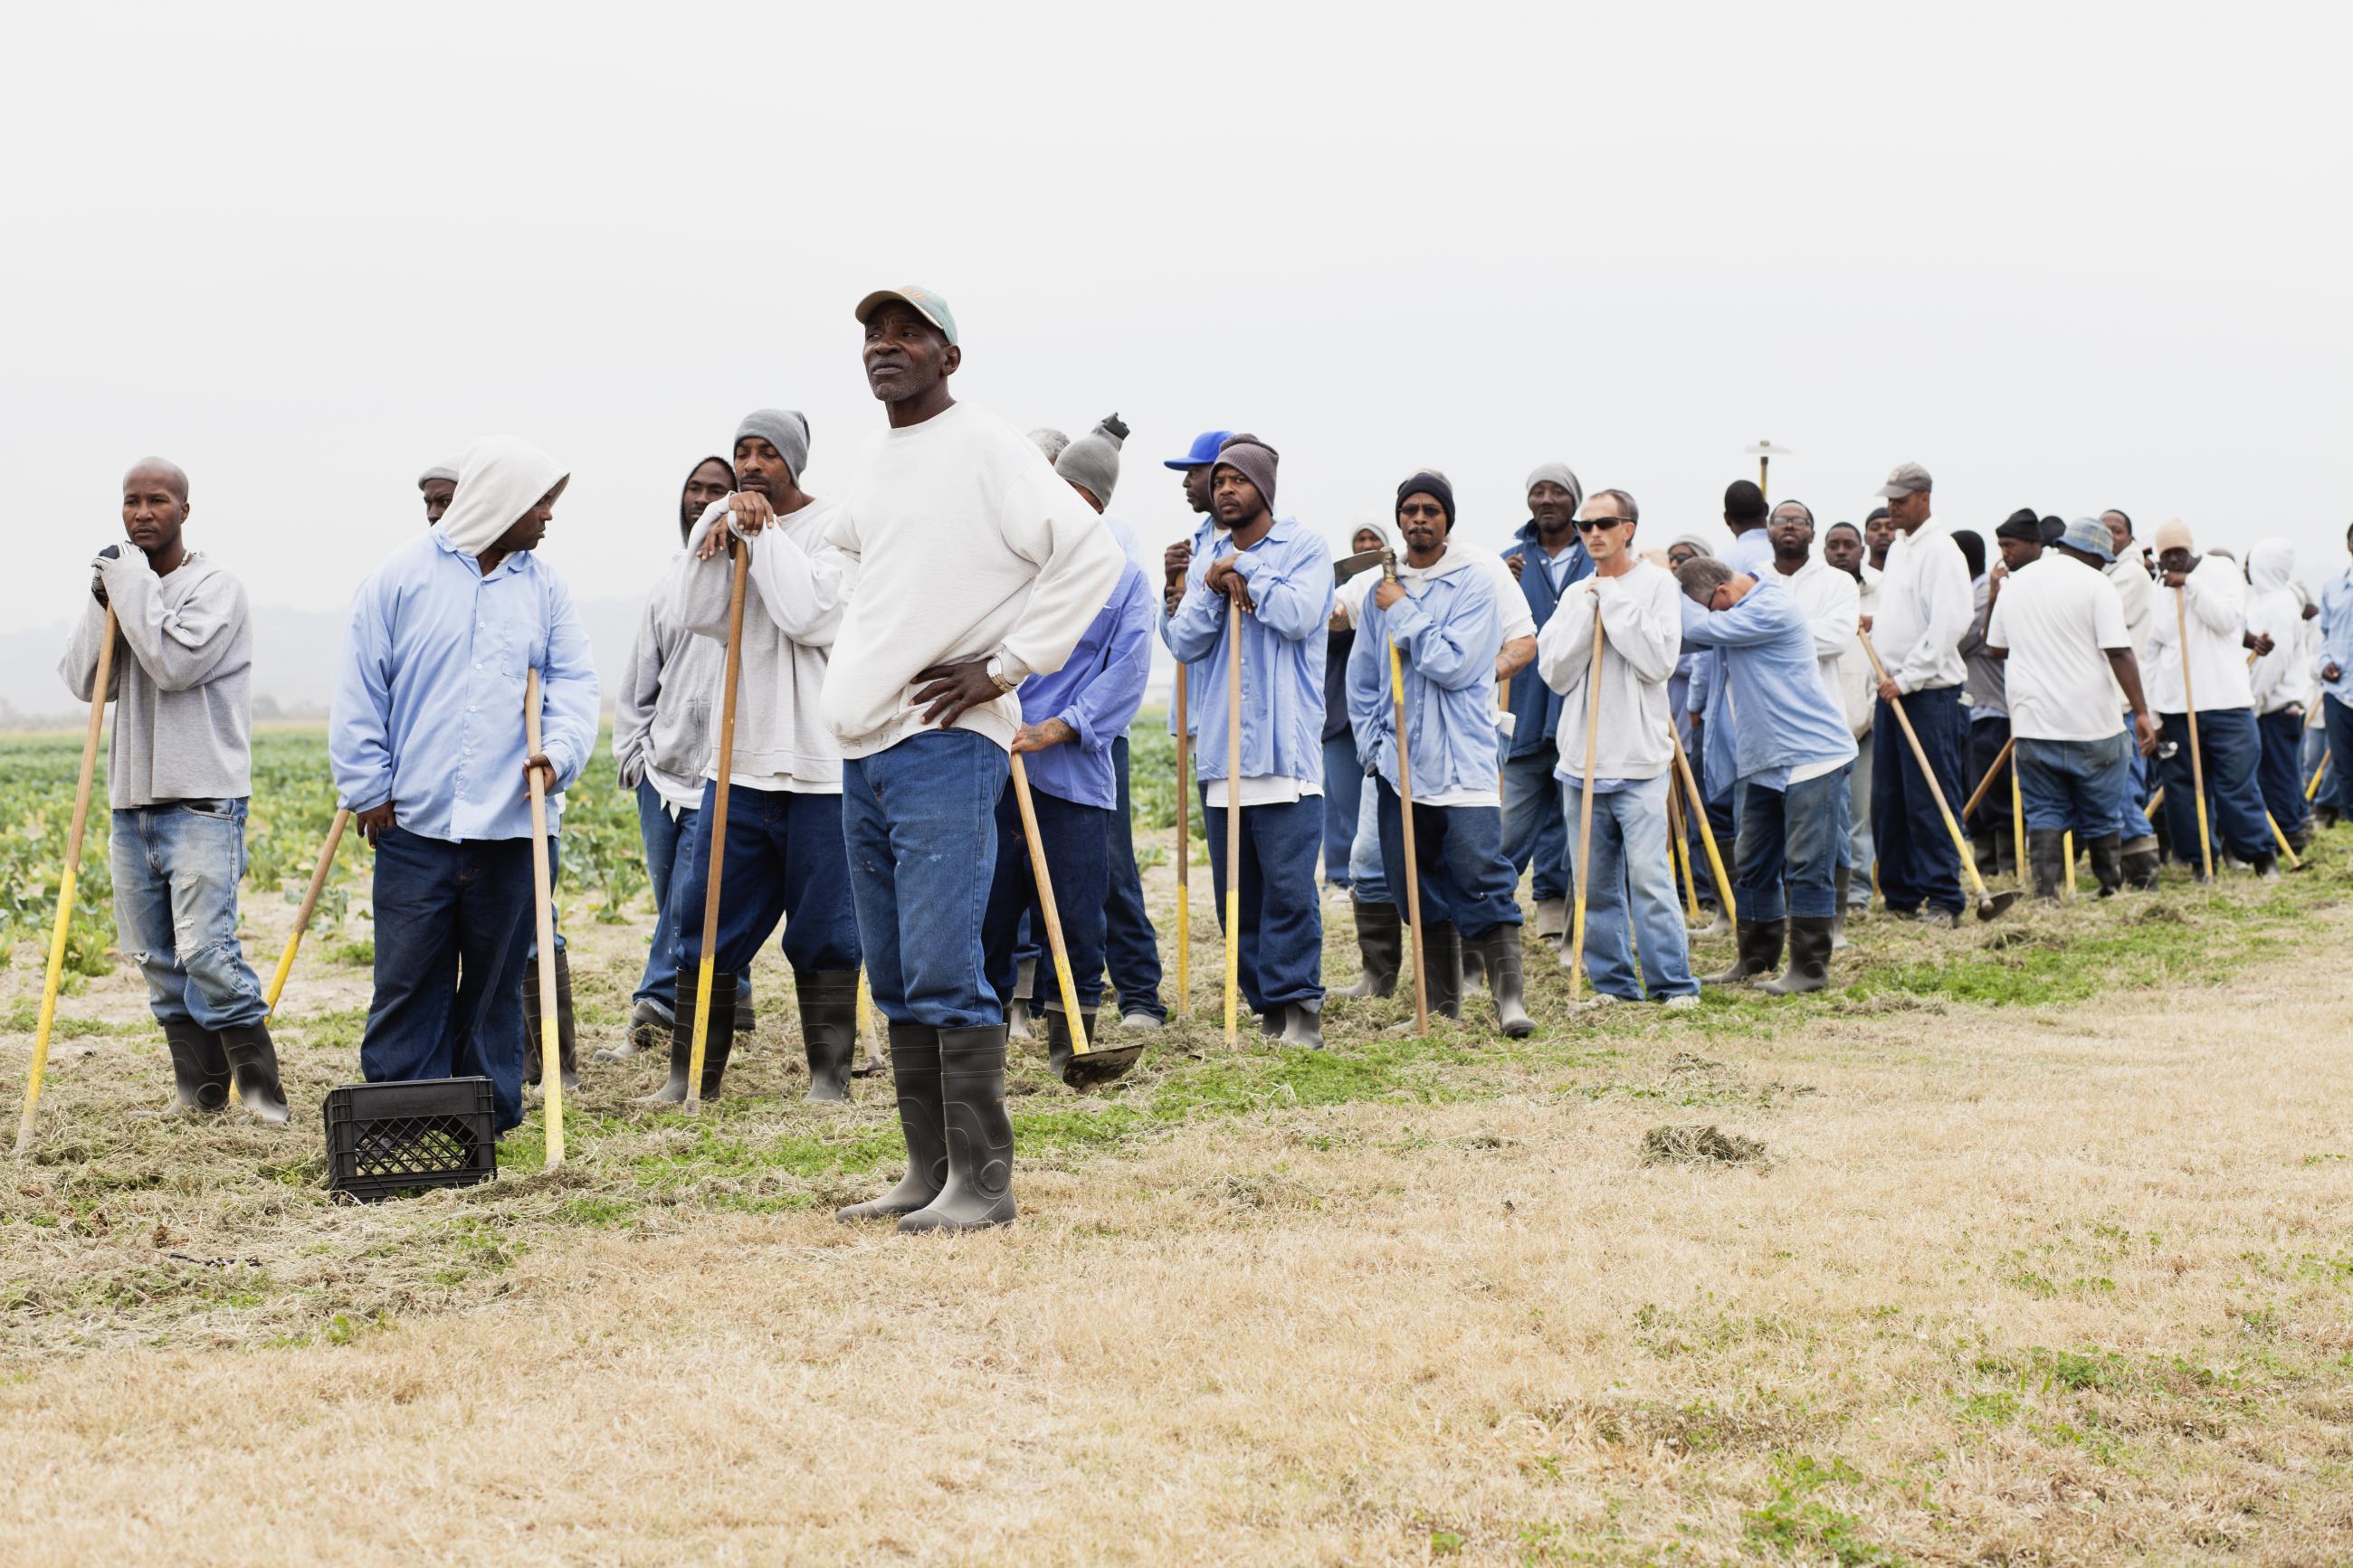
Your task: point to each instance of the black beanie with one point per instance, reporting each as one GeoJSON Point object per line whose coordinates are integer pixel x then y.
{"type": "Point", "coordinates": [1429, 483]}
{"type": "Point", "coordinates": [2020, 524]}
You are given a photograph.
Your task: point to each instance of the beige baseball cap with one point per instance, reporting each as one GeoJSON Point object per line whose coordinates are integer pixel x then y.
{"type": "Point", "coordinates": [1909, 478]}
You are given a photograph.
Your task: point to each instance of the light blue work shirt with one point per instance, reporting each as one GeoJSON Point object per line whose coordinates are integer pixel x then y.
{"type": "Point", "coordinates": [1290, 577]}
{"type": "Point", "coordinates": [428, 705]}
{"type": "Point", "coordinates": [1751, 553]}
{"type": "Point", "coordinates": [1447, 636]}
{"type": "Point", "coordinates": [1096, 692]}
{"type": "Point", "coordinates": [2337, 635]}
{"type": "Point", "coordinates": [1762, 669]}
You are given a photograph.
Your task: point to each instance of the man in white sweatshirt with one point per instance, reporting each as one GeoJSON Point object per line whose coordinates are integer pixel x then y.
{"type": "Point", "coordinates": [976, 568]}
{"type": "Point", "coordinates": [2278, 678]}
{"type": "Point", "coordinates": [2209, 596]}
{"type": "Point", "coordinates": [2128, 574]}
{"type": "Point", "coordinates": [1844, 551]}
{"type": "Point", "coordinates": [1640, 613]}
{"type": "Point", "coordinates": [1925, 607]}
{"type": "Point", "coordinates": [783, 858]}
{"type": "Point", "coordinates": [179, 776]}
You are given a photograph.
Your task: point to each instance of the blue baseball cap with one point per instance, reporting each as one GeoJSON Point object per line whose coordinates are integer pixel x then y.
{"type": "Point", "coordinates": [1205, 450]}
{"type": "Point", "coordinates": [2090, 535]}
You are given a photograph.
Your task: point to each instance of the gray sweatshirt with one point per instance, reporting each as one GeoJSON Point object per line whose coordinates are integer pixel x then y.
{"type": "Point", "coordinates": [792, 610]}
{"type": "Point", "coordinates": [668, 702]}
{"type": "Point", "coordinates": [181, 680]}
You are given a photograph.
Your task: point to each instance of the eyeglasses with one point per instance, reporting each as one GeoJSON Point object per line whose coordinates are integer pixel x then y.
{"type": "Point", "coordinates": [1587, 524]}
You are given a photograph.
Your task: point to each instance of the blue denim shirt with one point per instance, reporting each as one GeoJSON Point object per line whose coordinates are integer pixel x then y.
{"type": "Point", "coordinates": [1762, 666]}
{"type": "Point", "coordinates": [1535, 706]}
{"type": "Point", "coordinates": [1448, 637]}
{"type": "Point", "coordinates": [427, 711]}
{"type": "Point", "coordinates": [2337, 635]}
{"type": "Point", "coordinates": [1096, 692]}
{"type": "Point", "coordinates": [1290, 575]}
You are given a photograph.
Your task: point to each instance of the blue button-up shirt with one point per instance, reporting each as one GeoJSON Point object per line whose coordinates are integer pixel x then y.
{"type": "Point", "coordinates": [1289, 576]}
{"type": "Point", "coordinates": [1096, 692]}
{"type": "Point", "coordinates": [1767, 710]}
{"type": "Point", "coordinates": [429, 707]}
{"type": "Point", "coordinates": [2337, 635]}
{"type": "Point", "coordinates": [1535, 706]}
{"type": "Point", "coordinates": [1447, 636]}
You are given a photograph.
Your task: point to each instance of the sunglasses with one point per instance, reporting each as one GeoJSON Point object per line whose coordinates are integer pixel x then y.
{"type": "Point", "coordinates": [1589, 524]}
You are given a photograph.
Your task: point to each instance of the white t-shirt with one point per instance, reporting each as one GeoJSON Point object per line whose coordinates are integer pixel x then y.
{"type": "Point", "coordinates": [2057, 621]}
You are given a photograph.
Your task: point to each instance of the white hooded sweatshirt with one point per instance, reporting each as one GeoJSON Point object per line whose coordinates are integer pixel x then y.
{"type": "Point", "coordinates": [2276, 610]}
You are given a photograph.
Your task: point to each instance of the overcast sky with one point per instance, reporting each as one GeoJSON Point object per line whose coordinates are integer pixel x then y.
{"type": "Point", "coordinates": [2069, 257]}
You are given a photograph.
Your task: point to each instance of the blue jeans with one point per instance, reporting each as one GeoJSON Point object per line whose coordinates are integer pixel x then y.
{"type": "Point", "coordinates": [1459, 850]}
{"type": "Point", "coordinates": [1918, 863]}
{"type": "Point", "coordinates": [2336, 721]}
{"type": "Point", "coordinates": [1860, 852]}
{"type": "Point", "coordinates": [1793, 836]}
{"type": "Point", "coordinates": [2074, 786]}
{"type": "Point", "coordinates": [920, 823]}
{"type": "Point", "coordinates": [176, 866]}
{"type": "Point", "coordinates": [1723, 820]}
{"type": "Point", "coordinates": [783, 860]}
{"type": "Point", "coordinates": [1077, 840]}
{"type": "Point", "coordinates": [2132, 815]}
{"type": "Point", "coordinates": [1282, 946]}
{"type": "Point", "coordinates": [2282, 735]}
{"type": "Point", "coordinates": [1366, 878]}
{"type": "Point", "coordinates": [1131, 945]}
{"type": "Point", "coordinates": [1343, 790]}
{"type": "Point", "coordinates": [2226, 737]}
{"type": "Point", "coordinates": [664, 842]}
{"type": "Point", "coordinates": [1534, 833]}
{"type": "Point", "coordinates": [452, 921]}
{"type": "Point", "coordinates": [1629, 887]}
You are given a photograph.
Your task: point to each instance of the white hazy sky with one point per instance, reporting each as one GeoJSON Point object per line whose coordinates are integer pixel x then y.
{"type": "Point", "coordinates": [2068, 255]}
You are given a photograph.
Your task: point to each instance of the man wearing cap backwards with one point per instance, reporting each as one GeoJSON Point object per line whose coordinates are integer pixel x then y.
{"type": "Point", "coordinates": [1546, 561]}
{"type": "Point", "coordinates": [437, 484]}
{"type": "Point", "coordinates": [1789, 752]}
{"type": "Point", "coordinates": [1642, 627]}
{"type": "Point", "coordinates": [2213, 593]}
{"type": "Point", "coordinates": [1441, 613]}
{"type": "Point", "coordinates": [1924, 609]}
{"type": "Point", "coordinates": [976, 569]}
{"type": "Point", "coordinates": [2275, 618]}
{"type": "Point", "coordinates": [2060, 629]}
{"type": "Point", "coordinates": [2129, 575]}
{"type": "Point", "coordinates": [178, 774]}
{"type": "Point", "coordinates": [784, 857]}
{"type": "Point", "coordinates": [2020, 540]}
{"type": "Point", "coordinates": [426, 740]}
{"type": "Point", "coordinates": [1844, 551]}
{"type": "Point", "coordinates": [1274, 578]}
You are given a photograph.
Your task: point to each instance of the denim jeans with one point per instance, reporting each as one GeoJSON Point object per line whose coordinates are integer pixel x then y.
{"type": "Point", "coordinates": [2234, 804]}
{"type": "Point", "coordinates": [1723, 820]}
{"type": "Point", "coordinates": [2074, 786]}
{"type": "Point", "coordinates": [2336, 721]}
{"type": "Point", "coordinates": [1366, 878]}
{"type": "Point", "coordinates": [1534, 833]}
{"type": "Point", "coordinates": [665, 843]}
{"type": "Point", "coordinates": [1791, 836]}
{"type": "Point", "coordinates": [1282, 946]}
{"type": "Point", "coordinates": [783, 860]}
{"type": "Point", "coordinates": [1459, 851]}
{"type": "Point", "coordinates": [2132, 815]}
{"type": "Point", "coordinates": [1860, 852]}
{"type": "Point", "coordinates": [1918, 863]}
{"type": "Point", "coordinates": [920, 823]}
{"type": "Point", "coordinates": [176, 866]}
{"type": "Point", "coordinates": [1077, 840]}
{"type": "Point", "coordinates": [2281, 735]}
{"type": "Point", "coordinates": [1343, 791]}
{"type": "Point", "coordinates": [1131, 945]}
{"type": "Point", "coordinates": [452, 924]}
{"type": "Point", "coordinates": [1629, 887]}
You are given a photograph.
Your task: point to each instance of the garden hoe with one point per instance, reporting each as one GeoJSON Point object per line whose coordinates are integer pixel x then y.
{"type": "Point", "coordinates": [1405, 819]}
{"type": "Point", "coordinates": [1573, 956]}
{"type": "Point", "coordinates": [1698, 809]}
{"type": "Point", "coordinates": [1988, 904]}
{"type": "Point", "coordinates": [2189, 702]}
{"type": "Point", "coordinates": [1233, 889]}
{"type": "Point", "coordinates": [543, 900]}
{"type": "Point", "coordinates": [1184, 854]}
{"type": "Point", "coordinates": [1072, 1050]}
{"type": "Point", "coordinates": [310, 907]}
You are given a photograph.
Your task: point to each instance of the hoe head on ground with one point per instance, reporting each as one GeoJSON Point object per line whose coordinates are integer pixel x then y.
{"type": "Point", "coordinates": [1991, 906]}
{"type": "Point", "coordinates": [1101, 1065]}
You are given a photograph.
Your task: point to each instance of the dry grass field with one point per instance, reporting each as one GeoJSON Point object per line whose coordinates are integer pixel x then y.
{"type": "Point", "coordinates": [2031, 1243]}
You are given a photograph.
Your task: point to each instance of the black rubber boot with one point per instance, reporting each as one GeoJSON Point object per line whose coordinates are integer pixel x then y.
{"type": "Point", "coordinates": [253, 1063]}
{"type": "Point", "coordinates": [1760, 952]}
{"type": "Point", "coordinates": [979, 1188]}
{"type": "Point", "coordinates": [1840, 885]}
{"type": "Point", "coordinates": [1810, 957]}
{"type": "Point", "coordinates": [829, 1004]}
{"type": "Point", "coordinates": [1302, 1026]}
{"type": "Point", "coordinates": [716, 1043]}
{"type": "Point", "coordinates": [2141, 859]}
{"type": "Point", "coordinates": [1500, 949]}
{"type": "Point", "coordinates": [530, 1016]}
{"type": "Point", "coordinates": [2046, 855]}
{"type": "Point", "coordinates": [567, 1038]}
{"type": "Point", "coordinates": [746, 1020]}
{"type": "Point", "coordinates": [1442, 968]}
{"type": "Point", "coordinates": [1380, 943]}
{"type": "Point", "coordinates": [2107, 863]}
{"type": "Point", "coordinates": [650, 1023]}
{"type": "Point", "coordinates": [1019, 1011]}
{"type": "Point", "coordinates": [200, 1076]}
{"type": "Point", "coordinates": [1271, 1022]}
{"type": "Point", "coordinates": [916, 1071]}
{"type": "Point", "coordinates": [1059, 1050]}
{"type": "Point", "coordinates": [1474, 969]}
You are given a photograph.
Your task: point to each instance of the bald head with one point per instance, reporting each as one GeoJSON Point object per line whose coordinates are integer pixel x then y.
{"type": "Point", "coordinates": [154, 507]}
{"type": "Point", "coordinates": [150, 472]}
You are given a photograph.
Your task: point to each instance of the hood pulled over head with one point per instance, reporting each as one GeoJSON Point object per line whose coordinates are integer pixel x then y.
{"type": "Point", "coordinates": [500, 479]}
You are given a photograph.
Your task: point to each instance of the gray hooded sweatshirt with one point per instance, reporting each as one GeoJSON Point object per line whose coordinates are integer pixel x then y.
{"type": "Point", "coordinates": [181, 682]}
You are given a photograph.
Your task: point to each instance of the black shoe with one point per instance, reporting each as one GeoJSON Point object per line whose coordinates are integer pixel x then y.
{"type": "Point", "coordinates": [1500, 950]}
{"type": "Point", "coordinates": [1380, 943]}
{"type": "Point", "coordinates": [828, 1004]}
{"type": "Point", "coordinates": [978, 1192]}
{"type": "Point", "coordinates": [2046, 854]}
{"type": "Point", "coordinates": [1760, 952]}
{"type": "Point", "coordinates": [2107, 862]}
{"type": "Point", "coordinates": [717, 1041]}
{"type": "Point", "coordinates": [1810, 957]}
{"type": "Point", "coordinates": [915, 1070]}
{"type": "Point", "coordinates": [253, 1062]}
{"type": "Point", "coordinates": [200, 1076]}
{"type": "Point", "coordinates": [1302, 1026]}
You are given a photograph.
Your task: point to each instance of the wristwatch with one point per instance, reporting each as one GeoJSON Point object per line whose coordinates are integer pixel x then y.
{"type": "Point", "coordinates": [995, 671]}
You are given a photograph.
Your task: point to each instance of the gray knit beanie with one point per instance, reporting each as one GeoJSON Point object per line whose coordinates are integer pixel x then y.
{"type": "Point", "coordinates": [1091, 462]}
{"type": "Point", "coordinates": [785, 429]}
{"type": "Point", "coordinates": [1562, 475]}
{"type": "Point", "coordinates": [1254, 460]}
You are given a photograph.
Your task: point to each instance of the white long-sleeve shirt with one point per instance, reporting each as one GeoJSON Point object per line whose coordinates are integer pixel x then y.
{"type": "Point", "coordinates": [1832, 603]}
{"type": "Point", "coordinates": [1856, 683]}
{"type": "Point", "coordinates": [2213, 598]}
{"type": "Point", "coordinates": [1924, 606]}
{"type": "Point", "coordinates": [1641, 632]}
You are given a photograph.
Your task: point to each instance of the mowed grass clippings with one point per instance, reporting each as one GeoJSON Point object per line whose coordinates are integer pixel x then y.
{"type": "Point", "coordinates": [2047, 1260]}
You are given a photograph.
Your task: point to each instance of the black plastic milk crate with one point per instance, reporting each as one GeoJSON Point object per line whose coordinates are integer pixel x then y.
{"type": "Point", "coordinates": [388, 1137]}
